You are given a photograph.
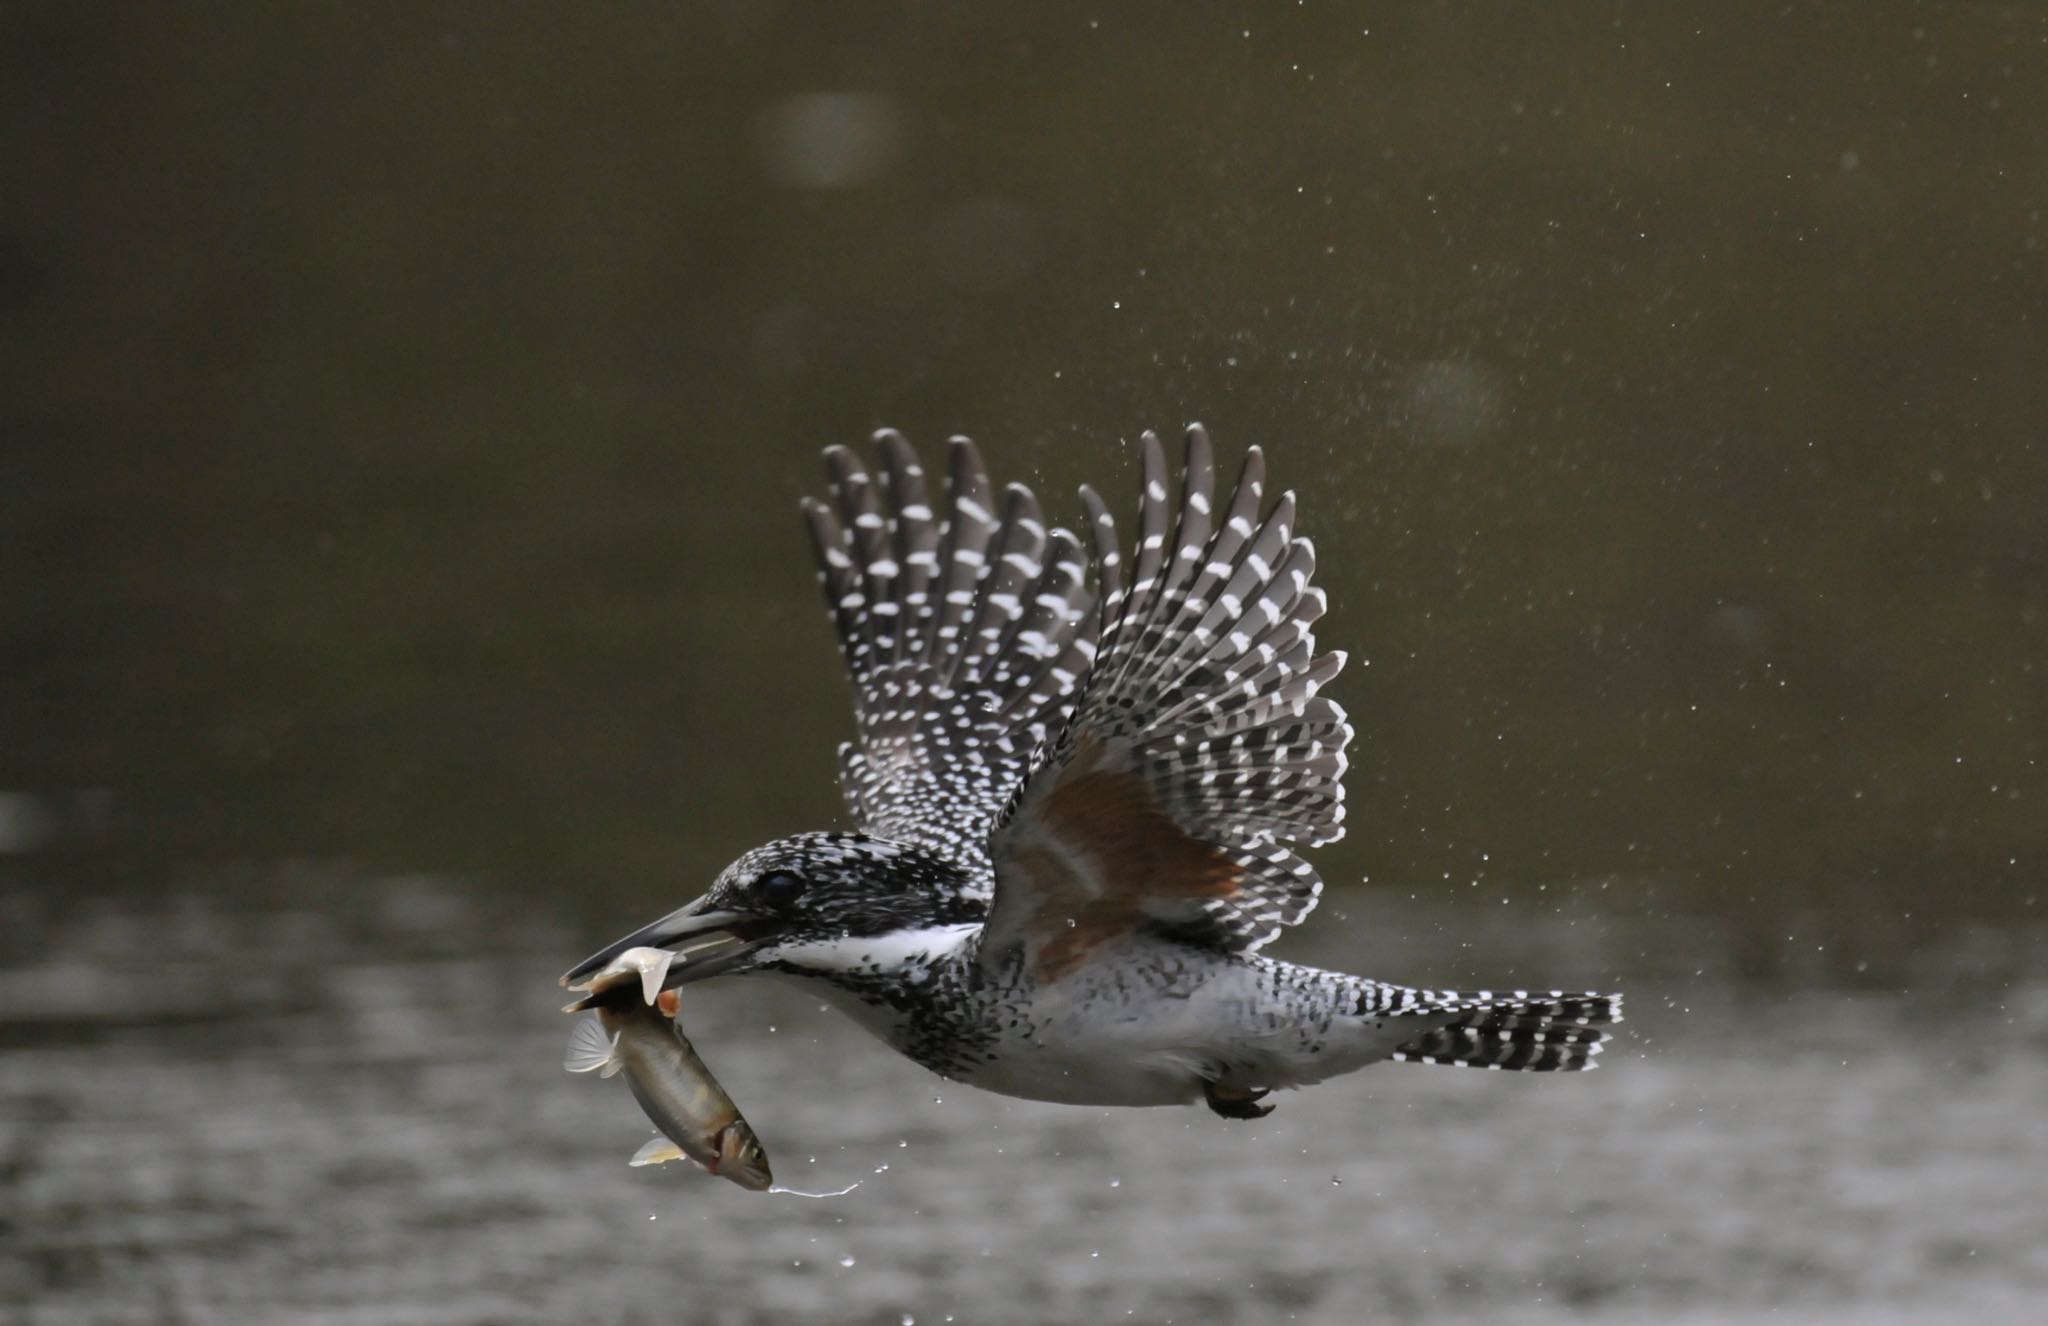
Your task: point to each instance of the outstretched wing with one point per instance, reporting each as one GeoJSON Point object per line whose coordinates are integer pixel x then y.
{"type": "Point", "coordinates": [966, 637]}
{"type": "Point", "coordinates": [1201, 753]}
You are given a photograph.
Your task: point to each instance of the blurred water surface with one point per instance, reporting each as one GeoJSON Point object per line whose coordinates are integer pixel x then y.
{"type": "Point", "coordinates": [213, 1109]}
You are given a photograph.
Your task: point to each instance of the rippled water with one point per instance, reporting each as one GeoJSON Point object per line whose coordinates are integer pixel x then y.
{"type": "Point", "coordinates": [218, 1108]}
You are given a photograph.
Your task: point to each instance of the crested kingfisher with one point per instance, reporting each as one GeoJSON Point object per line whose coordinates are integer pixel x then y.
{"type": "Point", "coordinates": [1079, 804]}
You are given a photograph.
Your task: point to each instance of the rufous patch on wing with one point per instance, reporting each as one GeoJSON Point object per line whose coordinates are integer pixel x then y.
{"type": "Point", "coordinates": [1107, 822]}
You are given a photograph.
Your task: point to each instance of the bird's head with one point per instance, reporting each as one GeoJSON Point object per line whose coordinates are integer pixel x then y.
{"type": "Point", "coordinates": [824, 904]}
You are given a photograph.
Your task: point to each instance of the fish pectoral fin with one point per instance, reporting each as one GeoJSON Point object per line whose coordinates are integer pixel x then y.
{"type": "Point", "coordinates": [657, 1151]}
{"type": "Point", "coordinates": [590, 1050]}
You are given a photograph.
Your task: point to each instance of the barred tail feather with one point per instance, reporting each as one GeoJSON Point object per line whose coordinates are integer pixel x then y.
{"type": "Point", "coordinates": [1557, 1032]}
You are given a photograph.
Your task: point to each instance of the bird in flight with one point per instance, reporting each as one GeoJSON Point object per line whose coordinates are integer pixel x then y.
{"type": "Point", "coordinates": [1079, 804]}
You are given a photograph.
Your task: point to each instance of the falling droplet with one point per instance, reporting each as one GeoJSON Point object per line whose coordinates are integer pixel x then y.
{"type": "Point", "coordinates": [1116, 1183]}
{"type": "Point", "coordinates": [847, 1260]}
{"type": "Point", "coordinates": [1336, 1182]}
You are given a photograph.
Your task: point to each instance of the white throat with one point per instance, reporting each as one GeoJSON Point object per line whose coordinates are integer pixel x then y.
{"type": "Point", "coordinates": [901, 958]}
{"type": "Point", "coordinates": [908, 955]}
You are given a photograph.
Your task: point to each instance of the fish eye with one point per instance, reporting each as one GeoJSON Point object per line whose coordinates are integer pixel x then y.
{"type": "Point", "coordinates": [779, 888]}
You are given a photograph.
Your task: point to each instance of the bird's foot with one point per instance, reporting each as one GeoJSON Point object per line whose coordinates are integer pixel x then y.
{"type": "Point", "coordinates": [1232, 1104]}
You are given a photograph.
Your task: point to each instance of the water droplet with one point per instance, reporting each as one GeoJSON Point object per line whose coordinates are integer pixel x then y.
{"type": "Point", "coordinates": [1116, 1183]}
{"type": "Point", "coordinates": [847, 1260]}
{"type": "Point", "coordinates": [909, 1320]}
{"type": "Point", "coordinates": [1336, 1182]}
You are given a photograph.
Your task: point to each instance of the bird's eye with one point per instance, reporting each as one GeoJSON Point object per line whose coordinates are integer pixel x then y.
{"type": "Point", "coordinates": [779, 888]}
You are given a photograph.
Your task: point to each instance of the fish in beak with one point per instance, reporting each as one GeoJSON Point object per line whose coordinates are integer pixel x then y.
{"type": "Point", "coordinates": [703, 942]}
{"type": "Point", "coordinates": [641, 1035]}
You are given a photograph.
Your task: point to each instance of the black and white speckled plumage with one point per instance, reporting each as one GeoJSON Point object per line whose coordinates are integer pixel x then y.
{"type": "Point", "coordinates": [966, 639]}
{"type": "Point", "coordinates": [1080, 809]}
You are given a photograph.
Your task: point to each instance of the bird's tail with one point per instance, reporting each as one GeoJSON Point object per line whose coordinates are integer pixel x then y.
{"type": "Point", "coordinates": [1515, 1029]}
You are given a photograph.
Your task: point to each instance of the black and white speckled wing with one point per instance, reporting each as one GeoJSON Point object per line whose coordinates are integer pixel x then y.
{"type": "Point", "coordinates": [966, 633]}
{"type": "Point", "coordinates": [1202, 754]}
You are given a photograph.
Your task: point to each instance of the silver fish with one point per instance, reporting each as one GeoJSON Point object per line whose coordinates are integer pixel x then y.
{"type": "Point", "coordinates": [641, 1037]}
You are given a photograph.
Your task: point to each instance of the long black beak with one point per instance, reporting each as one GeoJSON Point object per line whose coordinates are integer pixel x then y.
{"type": "Point", "coordinates": [706, 942]}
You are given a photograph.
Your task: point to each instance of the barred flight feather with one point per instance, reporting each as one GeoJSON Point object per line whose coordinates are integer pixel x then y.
{"type": "Point", "coordinates": [966, 639]}
{"type": "Point", "coordinates": [970, 634]}
{"type": "Point", "coordinates": [1206, 688]}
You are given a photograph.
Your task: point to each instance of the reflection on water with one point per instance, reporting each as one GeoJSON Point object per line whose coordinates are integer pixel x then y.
{"type": "Point", "coordinates": [219, 1108]}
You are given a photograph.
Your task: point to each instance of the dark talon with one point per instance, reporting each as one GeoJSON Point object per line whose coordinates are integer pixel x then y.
{"type": "Point", "coordinates": [1236, 1104]}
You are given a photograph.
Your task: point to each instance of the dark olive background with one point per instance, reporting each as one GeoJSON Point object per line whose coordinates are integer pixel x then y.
{"type": "Point", "coordinates": [405, 408]}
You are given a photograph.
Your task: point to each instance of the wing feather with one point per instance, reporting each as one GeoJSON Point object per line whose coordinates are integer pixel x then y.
{"type": "Point", "coordinates": [1203, 726]}
{"type": "Point", "coordinates": [966, 634]}
{"type": "Point", "coordinates": [1152, 764]}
